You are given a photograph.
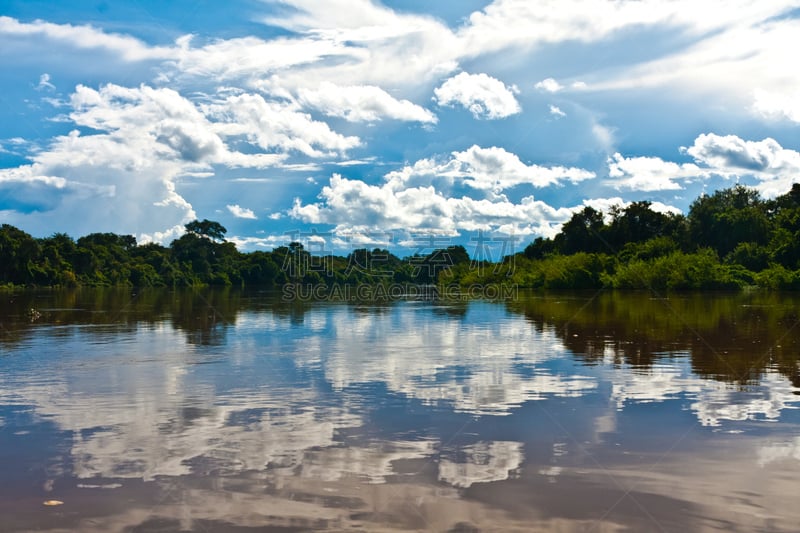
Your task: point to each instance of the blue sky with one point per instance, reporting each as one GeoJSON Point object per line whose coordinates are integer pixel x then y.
{"type": "Point", "coordinates": [395, 124]}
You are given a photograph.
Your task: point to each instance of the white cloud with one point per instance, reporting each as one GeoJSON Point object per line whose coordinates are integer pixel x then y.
{"type": "Point", "coordinates": [272, 125]}
{"type": "Point", "coordinates": [751, 48]}
{"type": "Point", "coordinates": [523, 24]}
{"type": "Point", "coordinates": [241, 212]}
{"type": "Point", "coordinates": [489, 169]}
{"type": "Point", "coordinates": [362, 104]}
{"type": "Point", "coordinates": [777, 105]}
{"type": "Point", "coordinates": [485, 97]}
{"type": "Point", "coordinates": [377, 45]}
{"type": "Point", "coordinates": [728, 156]}
{"type": "Point", "coordinates": [549, 85]}
{"type": "Point", "coordinates": [411, 199]}
{"type": "Point", "coordinates": [650, 173]}
{"type": "Point", "coordinates": [251, 58]}
{"type": "Point", "coordinates": [555, 110]}
{"type": "Point", "coordinates": [83, 37]}
{"type": "Point", "coordinates": [111, 182]}
{"type": "Point", "coordinates": [123, 176]}
{"type": "Point", "coordinates": [604, 205]}
{"type": "Point", "coordinates": [249, 243]}
{"type": "Point", "coordinates": [775, 167]}
{"type": "Point", "coordinates": [172, 126]}
{"type": "Point", "coordinates": [353, 205]}
{"type": "Point", "coordinates": [660, 207]}
{"type": "Point", "coordinates": [163, 237]}
{"type": "Point", "coordinates": [44, 83]}
{"type": "Point", "coordinates": [733, 154]}
{"type": "Point", "coordinates": [604, 135]}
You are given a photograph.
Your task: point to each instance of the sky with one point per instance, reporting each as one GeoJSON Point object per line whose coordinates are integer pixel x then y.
{"type": "Point", "coordinates": [403, 124]}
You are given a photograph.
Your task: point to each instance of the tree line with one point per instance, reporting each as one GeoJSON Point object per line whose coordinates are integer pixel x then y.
{"type": "Point", "coordinates": [200, 257]}
{"type": "Point", "coordinates": [730, 239]}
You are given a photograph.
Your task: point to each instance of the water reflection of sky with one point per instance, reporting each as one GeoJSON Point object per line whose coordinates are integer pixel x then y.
{"type": "Point", "coordinates": [427, 404]}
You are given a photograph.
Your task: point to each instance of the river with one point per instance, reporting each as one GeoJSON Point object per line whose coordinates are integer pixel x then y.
{"type": "Point", "coordinates": [225, 410]}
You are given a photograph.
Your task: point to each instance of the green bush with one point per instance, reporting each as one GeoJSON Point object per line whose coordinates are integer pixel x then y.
{"type": "Point", "coordinates": [778, 277]}
{"type": "Point", "coordinates": [680, 271]}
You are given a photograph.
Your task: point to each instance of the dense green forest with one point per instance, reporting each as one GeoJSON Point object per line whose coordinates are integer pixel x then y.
{"type": "Point", "coordinates": [728, 240]}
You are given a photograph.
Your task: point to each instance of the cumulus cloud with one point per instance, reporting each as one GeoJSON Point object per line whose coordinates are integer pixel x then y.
{"type": "Point", "coordinates": [485, 97]}
{"type": "Point", "coordinates": [549, 85]}
{"type": "Point", "coordinates": [353, 205]}
{"type": "Point", "coordinates": [555, 110]}
{"type": "Point", "coordinates": [489, 169]}
{"type": "Point", "coordinates": [363, 104]}
{"type": "Point", "coordinates": [774, 166]}
{"type": "Point", "coordinates": [733, 154]}
{"type": "Point", "coordinates": [123, 175]}
{"type": "Point", "coordinates": [102, 182]}
{"type": "Point", "coordinates": [650, 173]}
{"type": "Point", "coordinates": [727, 156]}
{"type": "Point", "coordinates": [241, 212]}
{"type": "Point", "coordinates": [160, 119]}
{"type": "Point", "coordinates": [274, 125]}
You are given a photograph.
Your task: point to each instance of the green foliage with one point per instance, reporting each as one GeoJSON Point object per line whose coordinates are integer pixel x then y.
{"type": "Point", "coordinates": [19, 251]}
{"type": "Point", "coordinates": [207, 228]}
{"type": "Point", "coordinates": [638, 223]}
{"type": "Point", "coordinates": [582, 233]}
{"type": "Point", "coordinates": [729, 217]}
{"type": "Point", "coordinates": [539, 248]}
{"type": "Point", "coordinates": [680, 271]}
{"type": "Point", "coordinates": [649, 249]}
{"type": "Point", "coordinates": [577, 271]}
{"type": "Point", "coordinates": [778, 277]}
{"type": "Point", "coordinates": [750, 255]}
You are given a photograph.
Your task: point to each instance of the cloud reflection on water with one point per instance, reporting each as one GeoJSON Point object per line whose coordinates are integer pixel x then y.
{"type": "Point", "coordinates": [352, 416]}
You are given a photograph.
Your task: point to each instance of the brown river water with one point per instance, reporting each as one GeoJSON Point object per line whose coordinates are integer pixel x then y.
{"type": "Point", "coordinates": [233, 411]}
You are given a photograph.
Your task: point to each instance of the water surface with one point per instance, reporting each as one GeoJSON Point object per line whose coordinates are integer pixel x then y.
{"type": "Point", "coordinates": [222, 410]}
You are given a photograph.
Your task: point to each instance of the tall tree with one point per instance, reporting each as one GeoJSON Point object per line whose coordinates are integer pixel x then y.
{"type": "Point", "coordinates": [729, 217]}
{"type": "Point", "coordinates": [582, 233]}
{"type": "Point", "coordinates": [207, 228]}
